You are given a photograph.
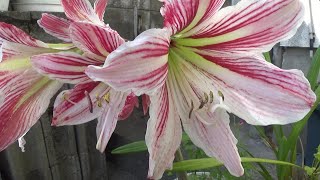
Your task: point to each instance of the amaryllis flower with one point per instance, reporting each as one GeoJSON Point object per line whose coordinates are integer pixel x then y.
{"type": "Point", "coordinates": [25, 94]}
{"type": "Point", "coordinates": [205, 63]}
{"type": "Point", "coordinates": [88, 100]}
{"type": "Point", "coordinates": [76, 11]}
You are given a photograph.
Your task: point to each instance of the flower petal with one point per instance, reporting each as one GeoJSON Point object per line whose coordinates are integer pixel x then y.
{"type": "Point", "coordinates": [67, 67]}
{"type": "Point", "coordinates": [145, 103]}
{"type": "Point", "coordinates": [55, 26]}
{"type": "Point", "coordinates": [94, 39]}
{"type": "Point", "coordinates": [11, 33]}
{"type": "Point", "coordinates": [185, 14]}
{"type": "Point", "coordinates": [164, 132]}
{"type": "Point", "coordinates": [80, 10]}
{"type": "Point", "coordinates": [209, 131]}
{"type": "Point", "coordinates": [251, 25]}
{"type": "Point", "coordinates": [100, 8]}
{"type": "Point", "coordinates": [131, 102]}
{"type": "Point", "coordinates": [11, 50]}
{"type": "Point", "coordinates": [27, 96]}
{"type": "Point", "coordinates": [143, 60]}
{"type": "Point", "coordinates": [253, 89]}
{"type": "Point", "coordinates": [108, 120]}
{"type": "Point", "coordinates": [73, 106]}
{"type": "Point", "coordinates": [216, 140]}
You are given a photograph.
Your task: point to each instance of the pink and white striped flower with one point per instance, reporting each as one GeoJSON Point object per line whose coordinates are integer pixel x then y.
{"type": "Point", "coordinates": [88, 100]}
{"type": "Point", "coordinates": [203, 63]}
{"type": "Point", "coordinates": [76, 11]}
{"type": "Point", "coordinates": [25, 93]}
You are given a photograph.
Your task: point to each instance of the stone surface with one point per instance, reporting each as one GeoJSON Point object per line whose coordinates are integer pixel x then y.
{"type": "Point", "coordinates": [311, 24]}
{"type": "Point", "coordinates": [297, 58]}
{"type": "Point", "coordinates": [121, 20]}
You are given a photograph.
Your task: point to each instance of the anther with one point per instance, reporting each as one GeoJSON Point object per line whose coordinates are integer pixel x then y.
{"type": "Point", "coordinates": [206, 98]}
{"type": "Point", "coordinates": [202, 103]}
{"type": "Point", "coordinates": [221, 95]}
{"type": "Point", "coordinates": [190, 112]}
{"type": "Point", "coordinates": [106, 97]}
{"type": "Point", "coordinates": [89, 101]}
{"type": "Point", "coordinates": [211, 97]}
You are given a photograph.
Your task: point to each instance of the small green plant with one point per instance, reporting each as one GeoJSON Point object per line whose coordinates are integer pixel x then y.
{"type": "Point", "coordinates": [314, 171]}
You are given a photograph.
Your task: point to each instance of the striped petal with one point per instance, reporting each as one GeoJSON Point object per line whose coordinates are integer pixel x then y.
{"type": "Point", "coordinates": [80, 10]}
{"type": "Point", "coordinates": [185, 14]}
{"type": "Point", "coordinates": [11, 33]}
{"type": "Point", "coordinates": [67, 67]}
{"type": "Point", "coordinates": [74, 106]}
{"type": "Point", "coordinates": [108, 120]}
{"type": "Point", "coordinates": [216, 139]}
{"type": "Point", "coordinates": [11, 50]}
{"type": "Point", "coordinates": [100, 8]}
{"type": "Point", "coordinates": [143, 60]}
{"type": "Point", "coordinates": [208, 130]}
{"type": "Point", "coordinates": [164, 132]}
{"type": "Point", "coordinates": [55, 26]}
{"type": "Point", "coordinates": [27, 96]}
{"type": "Point", "coordinates": [2, 98]}
{"type": "Point", "coordinates": [253, 89]}
{"type": "Point", "coordinates": [93, 39]}
{"type": "Point", "coordinates": [251, 25]}
{"type": "Point", "coordinates": [131, 102]}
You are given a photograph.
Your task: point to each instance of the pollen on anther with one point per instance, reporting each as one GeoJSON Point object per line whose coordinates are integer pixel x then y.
{"type": "Point", "coordinates": [106, 97]}
{"type": "Point", "coordinates": [211, 97]}
{"type": "Point", "coordinates": [221, 95]}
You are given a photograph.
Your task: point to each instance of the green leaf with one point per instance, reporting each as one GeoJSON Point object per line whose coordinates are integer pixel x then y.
{"type": "Point", "coordinates": [314, 70]}
{"type": "Point", "coordinates": [264, 171]}
{"type": "Point", "coordinates": [317, 156]}
{"type": "Point", "coordinates": [298, 127]}
{"type": "Point", "coordinates": [139, 146]}
{"type": "Point", "coordinates": [134, 147]}
{"type": "Point", "coordinates": [265, 139]}
{"type": "Point", "coordinates": [287, 147]}
{"type": "Point", "coordinates": [205, 163]}
{"type": "Point", "coordinates": [267, 56]}
{"type": "Point", "coordinates": [309, 170]}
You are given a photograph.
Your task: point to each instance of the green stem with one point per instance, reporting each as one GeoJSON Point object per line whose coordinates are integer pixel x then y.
{"type": "Point", "coordinates": [179, 157]}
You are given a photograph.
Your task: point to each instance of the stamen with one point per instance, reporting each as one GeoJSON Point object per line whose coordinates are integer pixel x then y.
{"type": "Point", "coordinates": [211, 97]}
{"type": "Point", "coordinates": [206, 98]}
{"type": "Point", "coordinates": [99, 102]}
{"type": "Point", "coordinates": [221, 95]}
{"type": "Point", "coordinates": [106, 97]}
{"type": "Point", "coordinates": [89, 101]}
{"type": "Point", "coordinates": [190, 112]}
{"type": "Point", "coordinates": [201, 104]}
{"type": "Point", "coordinates": [204, 102]}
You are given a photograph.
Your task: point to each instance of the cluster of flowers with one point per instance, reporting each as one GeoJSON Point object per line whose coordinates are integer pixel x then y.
{"type": "Point", "coordinates": [201, 65]}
